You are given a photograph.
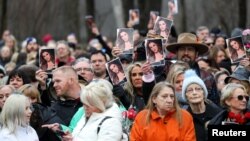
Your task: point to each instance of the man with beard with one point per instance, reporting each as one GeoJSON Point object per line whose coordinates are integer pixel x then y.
{"type": "Point", "coordinates": [187, 49]}
{"type": "Point", "coordinates": [31, 49]}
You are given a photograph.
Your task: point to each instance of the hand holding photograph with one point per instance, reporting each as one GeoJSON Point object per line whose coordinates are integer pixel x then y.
{"type": "Point", "coordinates": [116, 71]}
{"type": "Point", "coordinates": [47, 58]}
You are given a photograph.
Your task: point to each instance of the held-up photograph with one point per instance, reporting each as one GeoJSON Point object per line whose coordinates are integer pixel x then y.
{"type": "Point", "coordinates": [116, 72]}
{"type": "Point", "coordinates": [47, 58]}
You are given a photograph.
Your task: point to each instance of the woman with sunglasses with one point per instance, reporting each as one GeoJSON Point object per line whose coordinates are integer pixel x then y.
{"type": "Point", "coordinates": [234, 98]}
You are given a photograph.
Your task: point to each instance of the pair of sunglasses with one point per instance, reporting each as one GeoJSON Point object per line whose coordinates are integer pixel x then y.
{"type": "Point", "coordinates": [241, 97]}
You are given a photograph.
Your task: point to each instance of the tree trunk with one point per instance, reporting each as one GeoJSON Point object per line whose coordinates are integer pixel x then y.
{"type": "Point", "coordinates": [3, 17]}
{"type": "Point", "coordinates": [184, 16]}
{"type": "Point", "coordinates": [242, 13]}
{"type": "Point", "coordinates": [118, 13]}
{"type": "Point", "coordinates": [90, 7]}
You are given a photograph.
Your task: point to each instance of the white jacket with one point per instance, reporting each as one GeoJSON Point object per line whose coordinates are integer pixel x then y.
{"type": "Point", "coordinates": [110, 130]}
{"type": "Point", "coordinates": [22, 134]}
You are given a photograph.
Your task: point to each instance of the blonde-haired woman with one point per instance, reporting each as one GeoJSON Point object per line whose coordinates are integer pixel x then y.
{"type": "Point", "coordinates": [234, 98]}
{"type": "Point", "coordinates": [163, 119]}
{"type": "Point", "coordinates": [133, 87]}
{"type": "Point", "coordinates": [36, 118]}
{"type": "Point", "coordinates": [98, 103]}
{"type": "Point", "coordinates": [175, 77]}
{"type": "Point", "coordinates": [15, 118]}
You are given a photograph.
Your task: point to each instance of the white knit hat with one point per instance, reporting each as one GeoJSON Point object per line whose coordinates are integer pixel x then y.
{"type": "Point", "coordinates": [190, 77]}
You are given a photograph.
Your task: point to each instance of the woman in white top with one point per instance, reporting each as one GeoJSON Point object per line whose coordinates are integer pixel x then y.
{"type": "Point", "coordinates": [15, 118]}
{"type": "Point", "coordinates": [98, 103]}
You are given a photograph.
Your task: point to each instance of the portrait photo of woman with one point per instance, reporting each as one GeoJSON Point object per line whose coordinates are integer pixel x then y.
{"type": "Point", "coordinates": [134, 16]}
{"type": "Point", "coordinates": [47, 58]}
{"type": "Point", "coordinates": [152, 18]}
{"type": "Point", "coordinates": [125, 40]}
{"type": "Point", "coordinates": [162, 26]}
{"type": "Point", "coordinates": [116, 72]}
{"type": "Point", "coordinates": [154, 51]}
{"type": "Point", "coordinates": [173, 6]}
{"type": "Point", "coordinates": [236, 48]}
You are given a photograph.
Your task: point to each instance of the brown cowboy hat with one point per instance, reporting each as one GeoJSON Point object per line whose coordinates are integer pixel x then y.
{"type": "Point", "coordinates": [188, 39]}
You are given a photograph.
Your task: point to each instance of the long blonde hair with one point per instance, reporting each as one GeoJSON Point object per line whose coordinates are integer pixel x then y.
{"type": "Point", "coordinates": [13, 112]}
{"type": "Point", "coordinates": [128, 85]}
{"type": "Point", "coordinates": [151, 106]}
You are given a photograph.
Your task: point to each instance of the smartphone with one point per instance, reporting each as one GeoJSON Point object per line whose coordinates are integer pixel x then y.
{"type": "Point", "coordinates": [89, 20]}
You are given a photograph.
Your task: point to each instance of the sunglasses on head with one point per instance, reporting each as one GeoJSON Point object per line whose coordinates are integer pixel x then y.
{"type": "Point", "coordinates": [240, 97]}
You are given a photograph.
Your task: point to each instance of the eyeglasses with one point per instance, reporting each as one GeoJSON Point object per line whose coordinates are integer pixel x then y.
{"type": "Point", "coordinates": [82, 69]}
{"type": "Point", "coordinates": [135, 74]}
{"type": "Point", "coordinates": [195, 89]}
{"type": "Point", "coordinates": [240, 97]}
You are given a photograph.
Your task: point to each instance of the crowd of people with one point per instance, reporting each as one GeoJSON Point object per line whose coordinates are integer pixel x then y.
{"type": "Point", "coordinates": [170, 87]}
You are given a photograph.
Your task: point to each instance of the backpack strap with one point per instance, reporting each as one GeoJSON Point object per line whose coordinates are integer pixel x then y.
{"type": "Point", "coordinates": [100, 124]}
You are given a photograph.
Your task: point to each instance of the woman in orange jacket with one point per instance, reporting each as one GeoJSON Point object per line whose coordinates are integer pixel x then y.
{"type": "Point", "coordinates": [163, 119]}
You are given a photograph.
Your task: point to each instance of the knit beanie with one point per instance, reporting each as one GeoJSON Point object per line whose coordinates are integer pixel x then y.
{"type": "Point", "coordinates": [190, 77]}
{"type": "Point", "coordinates": [31, 40]}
